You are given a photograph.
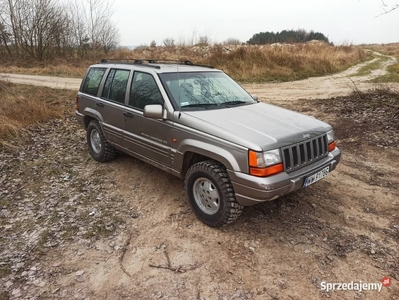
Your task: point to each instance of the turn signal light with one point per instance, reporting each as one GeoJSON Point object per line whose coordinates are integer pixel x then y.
{"type": "Point", "coordinates": [332, 146]}
{"type": "Point", "coordinates": [263, 172]}
{"type": "Point", "coordinates": [77, 102]}
{"type": "Point", "coordinates": [253, 158]}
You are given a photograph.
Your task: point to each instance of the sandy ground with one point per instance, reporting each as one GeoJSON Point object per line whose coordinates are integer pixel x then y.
{"type": "Point", "coordinates": [344, 228]}
{"type": "Point", "coordinates": [49, 81]}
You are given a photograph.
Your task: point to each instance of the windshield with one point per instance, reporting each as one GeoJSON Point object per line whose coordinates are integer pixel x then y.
{"type": "Point", "coordinates": [204, 90]}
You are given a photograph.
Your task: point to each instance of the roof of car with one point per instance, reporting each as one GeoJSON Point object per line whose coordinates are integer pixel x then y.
{"type": "Point", "coordinates": [157, 66]}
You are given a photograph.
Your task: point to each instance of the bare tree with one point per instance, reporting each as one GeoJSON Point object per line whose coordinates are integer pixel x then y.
{"type": "Point", "coordinates": [108, 36]}
{"type": "Point", "coordinates": [232, 41]}
{"type": "Point", "coordinates": [10, 19]}
{"type": "Point", "coordinates": [169, 42]}
{"type": "Point", "coordinates": [44, 28]}
{"type": "Point", "coordinates": [101, 30]}
{"type": "Point", "coordinates": [204, 40]}
{"type": "Point", "coordinates": [79, 39]}
{"type": "Point", "coordinates": [5, 38]}
{"type": "Point", "coordinates": [388, 8]}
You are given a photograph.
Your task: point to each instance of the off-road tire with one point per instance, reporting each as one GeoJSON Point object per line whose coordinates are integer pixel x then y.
{"type": "Point", "coordinates": [229, 209]}
{"type": "Point", "coordinates": [107, 152]}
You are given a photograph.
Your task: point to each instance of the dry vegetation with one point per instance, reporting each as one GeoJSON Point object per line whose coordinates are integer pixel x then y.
{"type": "Point", "coordinates": [393, 70]}
{"type": "Point", "coordinates": [286, 62]}
{"type": "Point", "coordinates": [276, 62]}
{"type": "Point", "coordinates": [60, 68]}
{"type": "Point", "coordinates": [392, 76]}
{"type": "Point", "coordinates": [23, 105]}
{"type": "Point", "coordinates": [389, 49]}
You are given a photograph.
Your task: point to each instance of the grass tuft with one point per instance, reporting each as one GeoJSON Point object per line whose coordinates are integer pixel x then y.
{"type": "Point", "coordinates": [367, 69]}
{"type": "Point", "coordinates": [391, 76]}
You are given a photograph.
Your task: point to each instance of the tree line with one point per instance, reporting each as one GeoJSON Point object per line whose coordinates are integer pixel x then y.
{"type": "Point", "coordinates": [286, 36]}
{"type": "Point", "coordinates": [43, 29]}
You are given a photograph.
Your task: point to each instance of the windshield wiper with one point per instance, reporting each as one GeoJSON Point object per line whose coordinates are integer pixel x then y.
{"type": "Point", "coordinates": [236, 102]}
{"type": "Point", "coordinates": [199, 105]}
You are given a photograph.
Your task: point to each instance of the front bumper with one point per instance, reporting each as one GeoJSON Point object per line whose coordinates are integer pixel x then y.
{"type": "Point", "coordinates": [251, 190]}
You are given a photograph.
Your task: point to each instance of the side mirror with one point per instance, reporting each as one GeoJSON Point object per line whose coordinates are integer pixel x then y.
{"type": "Point", "coordinates": [153, 111]}
{"type": "Point", "coordinates": [255, 97]}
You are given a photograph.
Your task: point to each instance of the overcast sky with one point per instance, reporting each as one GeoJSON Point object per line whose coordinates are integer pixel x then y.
{"type": "Point", "coordinates": [343, 21]}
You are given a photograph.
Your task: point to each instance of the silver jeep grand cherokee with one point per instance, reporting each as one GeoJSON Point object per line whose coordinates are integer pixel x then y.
{"type": "Point", "coordinates": [197, 123]}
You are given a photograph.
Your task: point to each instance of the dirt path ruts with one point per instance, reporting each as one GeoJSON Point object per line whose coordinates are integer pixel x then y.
{"type": "Point", "coordinates": [340, 84]}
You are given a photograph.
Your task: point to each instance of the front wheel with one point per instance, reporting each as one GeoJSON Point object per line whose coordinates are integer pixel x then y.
{"type": "Point", "coordinates": [211, 194]}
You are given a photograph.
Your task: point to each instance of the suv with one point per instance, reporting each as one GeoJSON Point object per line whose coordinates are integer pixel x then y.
{"type": "Point", "coordinates": [196, 123]}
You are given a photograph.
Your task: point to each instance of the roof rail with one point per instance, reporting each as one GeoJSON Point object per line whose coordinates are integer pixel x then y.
{"type": "Point", "coordinates": [140, 61]}
{"type": "Point", "coordinates": [130, 62]}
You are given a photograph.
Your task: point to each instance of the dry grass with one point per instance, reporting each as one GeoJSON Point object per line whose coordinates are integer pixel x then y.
{"type": "Point", "coordinates": [388, 49]}
{"type": "Point", "coordinates": [24, 105]}
{"type": "Point", "coordinates": [391, 76]}
{"type": "Point", "coordinates": [60, 68]}
{"type": "Point", "coordinates": [278, 62]}
{"type": "Point", "coordinates": [286, 62]}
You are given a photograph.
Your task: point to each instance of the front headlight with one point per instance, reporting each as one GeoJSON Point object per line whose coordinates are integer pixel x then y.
{"type": "Point", "coordinates": [265, 163]}
{"type": "Point", "coordinates": [330, 136]}
{"type": "Point", "coordinates": [272, 157]}
{"type": "Point", "coordinates": [331, 140]}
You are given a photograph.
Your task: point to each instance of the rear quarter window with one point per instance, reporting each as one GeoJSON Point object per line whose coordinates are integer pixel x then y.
{"type": "Point", "coordinates": [93, 80]}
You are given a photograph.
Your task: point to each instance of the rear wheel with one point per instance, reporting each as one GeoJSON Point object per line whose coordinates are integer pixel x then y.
{"type": "Point", "coordinates": [99, 147]}
{"type": "Point", "coordinates": [211, 194]}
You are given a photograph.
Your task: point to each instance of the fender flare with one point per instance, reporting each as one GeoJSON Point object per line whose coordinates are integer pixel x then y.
{"type": "Point", "coordinates": [212, 151]}
{"type": "Point", "coordinates": [89, 112]}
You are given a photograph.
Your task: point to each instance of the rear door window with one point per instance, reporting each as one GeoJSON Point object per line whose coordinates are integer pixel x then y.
{"type": "Point", "coordinates": [93, 80]}
{"type": "Point", "coordinates": [115, 85]}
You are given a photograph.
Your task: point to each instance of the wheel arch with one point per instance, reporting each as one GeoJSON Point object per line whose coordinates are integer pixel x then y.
{"type": "Point", "coordinates": [91, 114]}
{"type": "Point", "coordinates": [199, 151]}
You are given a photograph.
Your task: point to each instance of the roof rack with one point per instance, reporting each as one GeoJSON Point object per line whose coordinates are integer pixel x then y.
{"type": "Point", "coordinates": [140, 61]}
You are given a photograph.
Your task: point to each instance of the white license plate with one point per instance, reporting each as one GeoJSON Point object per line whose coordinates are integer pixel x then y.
{"type": "Point", "coordinates": [316, 177]}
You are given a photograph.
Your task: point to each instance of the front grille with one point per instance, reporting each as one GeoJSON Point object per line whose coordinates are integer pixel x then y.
{"type": "Point", "coordinates": [301, 154]}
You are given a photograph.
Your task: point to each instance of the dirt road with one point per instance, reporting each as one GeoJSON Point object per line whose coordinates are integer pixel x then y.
{"type": "Point", "coordinates": [76, 229]}
{"type": "Point", "coordinates": [340, 84]}
{"type": "Point", "coordinates": [49, 81]}
{"type": "Point", "coordinates": [313, 88]}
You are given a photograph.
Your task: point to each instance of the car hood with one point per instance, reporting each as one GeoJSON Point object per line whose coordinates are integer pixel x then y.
{"type": "Point", "coordinates": [257, 126]}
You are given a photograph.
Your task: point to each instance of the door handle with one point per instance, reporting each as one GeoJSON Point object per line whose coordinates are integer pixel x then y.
{"type": "Point", "coordinates": [128, 114]}
{"type": "Point", "coordinates": [100, 104]}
